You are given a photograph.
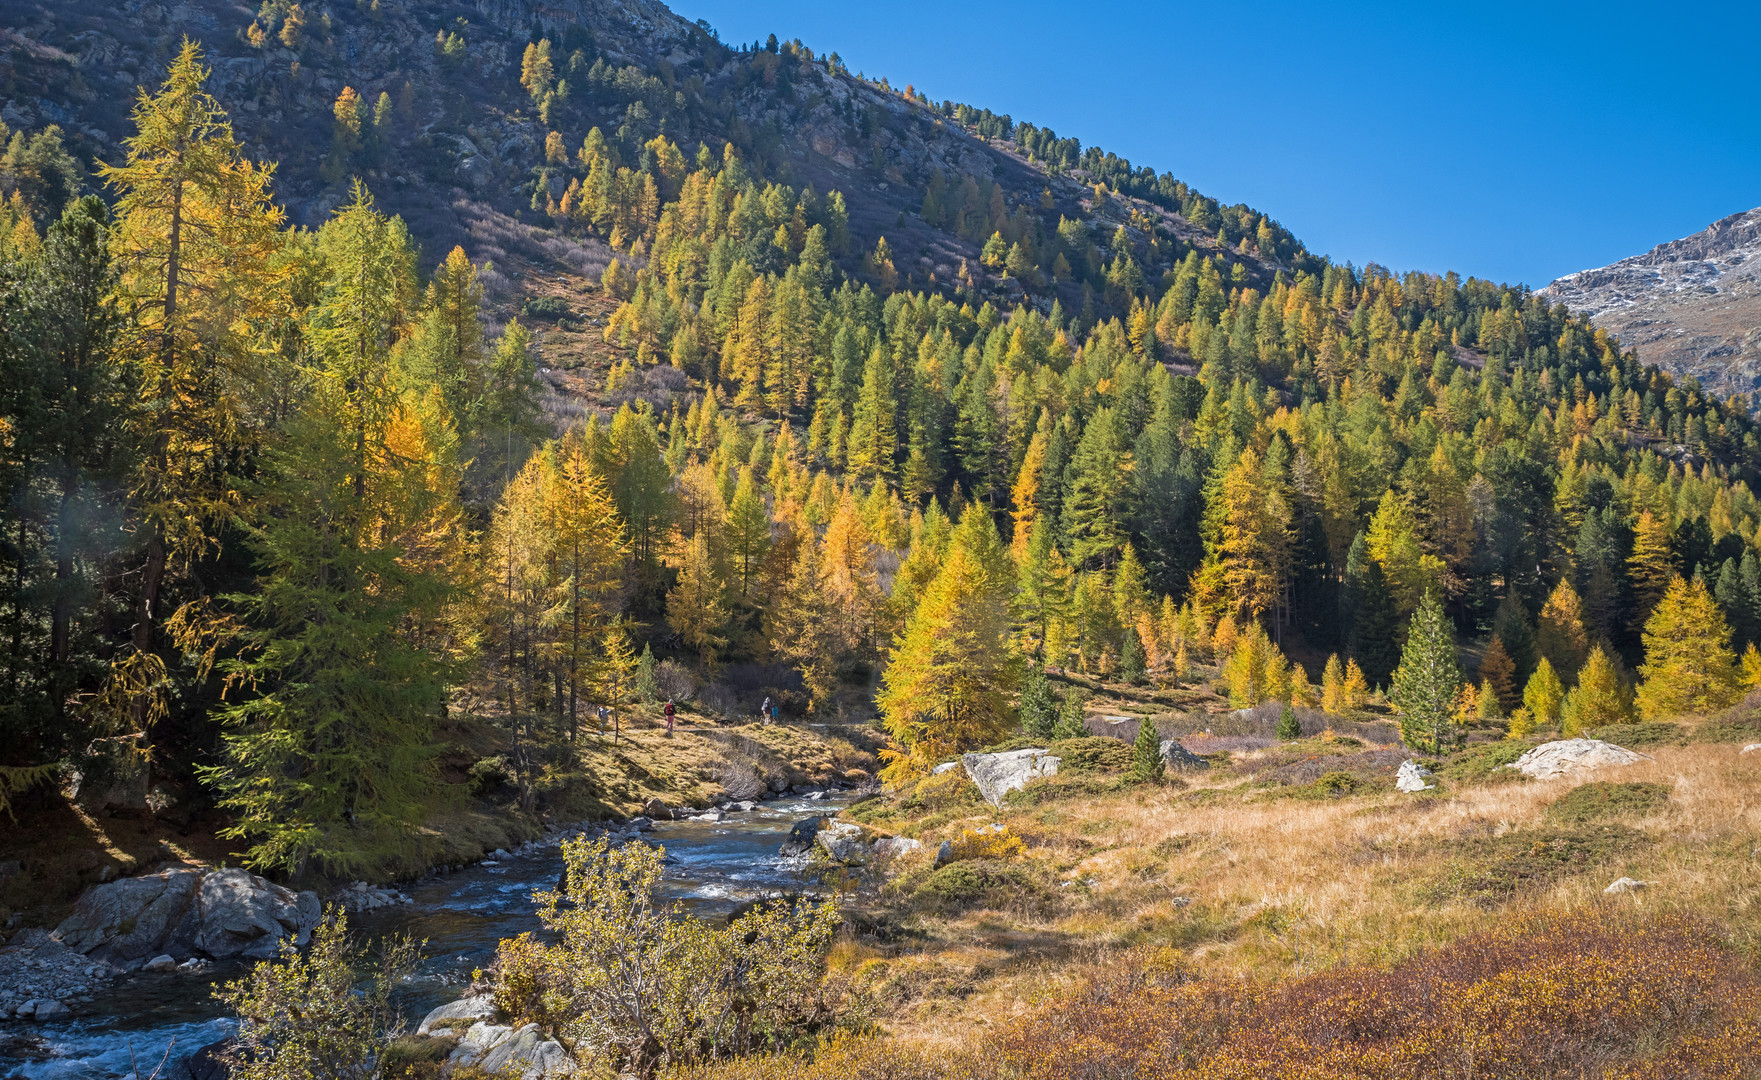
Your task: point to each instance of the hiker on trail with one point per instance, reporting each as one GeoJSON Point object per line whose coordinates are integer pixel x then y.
{"type": "Point", "coordinates": [775, 711]}
{"type": "Point", "coordinates": [764, 712]}
{"type": "Point", "coordinates": [604, 715]}
{"type": "Point", "coordinates": [669, 718]}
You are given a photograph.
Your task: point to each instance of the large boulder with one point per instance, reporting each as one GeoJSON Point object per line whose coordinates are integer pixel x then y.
{"type": "Point", "coordinates": [998, 774]}
{"type": "Point", "coordinates": [842, 842]}
{"type": "Point", "coordinates": [1413, 777]}
{"type": "Point", "coordinates": [512, 1052]}
{"type": "Point", "coordinates": [478, 1041]}
{"type": "Point", "coordinates": [182, 913]}
{"type": "Point", "coordinates": [528, 1055]}
{"type": "Point", "coordinates": [1177, 756]}
{"type": "Point", "coordinates": [131, 918]}
{"type": "Point", "coordinates": [800, 840]}
{"type": "Point", "coordinates": [660, 811]}
{"type": "Point", "coordinates": [891, 847]}
{"type": "Point", "coordinates": [458, 1014]}
{"type": "Point", "coordinates": [1566, 756]}
{"type": "Point", "coordinates": [240, 914]}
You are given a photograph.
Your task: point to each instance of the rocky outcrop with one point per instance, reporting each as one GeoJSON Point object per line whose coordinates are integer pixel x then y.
{"type": "Point", "coordinates": [1691, 306]}
{"type": "Point", "coordinates": [1567, 756]}
{"type": "Point", "coordinates": [218, 914]}
{"type": "Point", "coordinates": [1176, 756]}
{"type": "Point", "coordinates": [522, 1052]}
{"type": "Point", "coordinates": [42, 979]}
{"type": "Point", "coordinates": [842, 843]}
{"type": "Point", "coordinates": [364, 897]}
{"type": "Point", "coordinates": [1413, 777]}
{"type": "Point", "coordinates": [660, 811]}
{"type": "Point", "coordinates": [998, 774]}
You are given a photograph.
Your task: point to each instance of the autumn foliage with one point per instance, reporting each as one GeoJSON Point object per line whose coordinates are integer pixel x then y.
{"type": "Point", "coordinates": [1588, 994]}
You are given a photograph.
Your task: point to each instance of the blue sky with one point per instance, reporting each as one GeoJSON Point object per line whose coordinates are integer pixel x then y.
{"type": "Point", "coordinates": [1516, 142]}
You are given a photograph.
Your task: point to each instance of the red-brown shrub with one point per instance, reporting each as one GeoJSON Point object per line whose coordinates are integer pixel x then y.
{"type": "Point", "coordinates": [1584, 995]}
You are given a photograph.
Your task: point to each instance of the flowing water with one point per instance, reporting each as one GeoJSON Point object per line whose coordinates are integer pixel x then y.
{"type": "Point", "coordinates": [711, 867]}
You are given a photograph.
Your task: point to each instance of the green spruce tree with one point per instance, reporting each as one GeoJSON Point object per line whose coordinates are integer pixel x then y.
{"type": "Point", "coordinates": [1428, 679]}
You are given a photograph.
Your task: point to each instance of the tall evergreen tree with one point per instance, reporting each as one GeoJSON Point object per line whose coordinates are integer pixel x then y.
{"type": "Point", "coordinates": [193, 245]}
{"type": "Point", "coordinates": [1428, 680]}
{"type": "Point", "coordinates": [329, 765]}
{"type": "Point", "coordinates": [1374, 639]}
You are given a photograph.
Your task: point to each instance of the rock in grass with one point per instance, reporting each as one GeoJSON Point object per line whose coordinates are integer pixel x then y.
{"type": "Point", "coordinates": [1177, 756]}
{"type": "Point", "coordinates": [1750, 748]}
{"type": "Point", "coordinates": [944, 854]}
{"type": "Point", "coordinates": [893, 846]}
{"type": "Point", "coordinates": [1566, 756]}
{"type": "Point", "coordinates": [1413, 777]}
{"type": "Point", "coordinates": [1626, 885]}
{"type": "Point", "coordinates": [998, 774]}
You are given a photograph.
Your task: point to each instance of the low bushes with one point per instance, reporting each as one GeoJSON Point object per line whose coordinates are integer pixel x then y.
{"type": "Point", "coordinates": [1097, 753]}
{"type": "Point", "coordinates": [1633, 736]}
{"type": "Point", "coordinates": [1490, 869]}
{"type": "Point", "coordinates": [1594, 994]}
{"type": "Point", "coordinates": [1483, 763]}
{"type": "Point", "coordinates": [1603, 799]}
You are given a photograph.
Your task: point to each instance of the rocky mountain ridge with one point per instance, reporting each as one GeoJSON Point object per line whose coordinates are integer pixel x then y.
{"type": "Point", "coordinates": [1691, 306]}
{"type": "Point", "coordinates": [463, 153]}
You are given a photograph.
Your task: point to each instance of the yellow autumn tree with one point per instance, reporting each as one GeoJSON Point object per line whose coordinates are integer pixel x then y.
{"type": "Point", "coordinates": [1545, 694]}
{"type": "Point", "coordinates": [588, 548]}
{"type": "Point", "coordinates": [1688, 664]}
{"type": "Point", "coordinates": [1600, 698]}
{"type": "Point", "coordinates": [193, 246]}
{"type": "Point", "coordinates": [1559, 632]}
{"type": "Point", "coordinates": [1649, 567]}
{"type": "Point", "coordinates": [951, 672]}
{"type": "Point", "coordinates": [694, 608]}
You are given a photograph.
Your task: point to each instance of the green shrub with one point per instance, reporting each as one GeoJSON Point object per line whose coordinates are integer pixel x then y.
{"type": "Point", "coordinates": [1336, 784]}
{"type": "Point", "coordinates": [1095, 753]}
{"type": "Point", "coordinates": [974, 883]}
{"type": "Point", "coordinates": [546, 307]}
{"type": "Point", "coordinates": [1602, 799]}
{"type": "Point", "coordinates": [1489, 870]}
{"type": "Point", "coordinates": [1483, 763]}
{"type": "Point", "coordinates": [1078, 785]}
{"type": "Point", "coordinates": [941, 791]}
{"type": "Point", "coordinates": [312, 1014]}
{"type": "Point", "coordinates": [1734, 726]}
{"type": "Point", "coordinates": [488, 774]}
{"type": "Point", "coordinates": [1649, 734]}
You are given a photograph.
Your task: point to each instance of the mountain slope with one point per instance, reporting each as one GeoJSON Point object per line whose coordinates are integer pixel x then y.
{"type": "Point", "coordinates": [1691, 306]}
{"type": "Point", "coordinates": [461, 144]}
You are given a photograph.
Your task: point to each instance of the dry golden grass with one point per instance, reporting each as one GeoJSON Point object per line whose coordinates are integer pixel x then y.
{"type": "Point", "coordinates": [1269, 889]}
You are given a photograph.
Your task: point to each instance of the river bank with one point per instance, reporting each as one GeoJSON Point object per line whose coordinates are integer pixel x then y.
{"type": "Point", "coordinates": [58, 847]}
{"type": "Point", "coordinates": [460, 913]}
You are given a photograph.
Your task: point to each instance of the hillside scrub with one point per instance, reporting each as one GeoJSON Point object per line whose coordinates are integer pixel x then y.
{"type": "Point", "coordinates": [1629, 996]}
{"type": "Point", "coordinates": [1338, 872]}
